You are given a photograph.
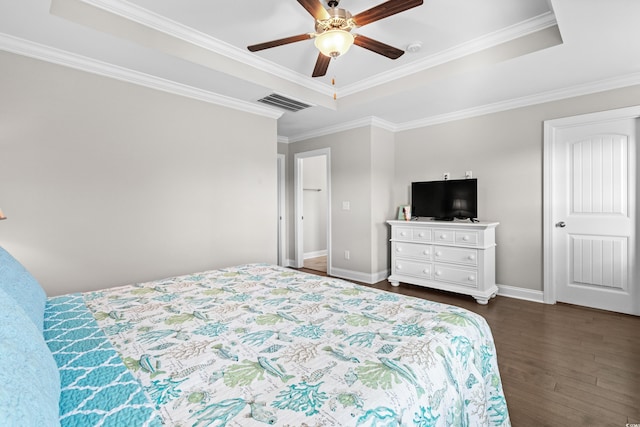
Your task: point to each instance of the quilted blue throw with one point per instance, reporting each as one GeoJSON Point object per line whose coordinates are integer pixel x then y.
{"type": "Point", "coordinates": [97, 388]}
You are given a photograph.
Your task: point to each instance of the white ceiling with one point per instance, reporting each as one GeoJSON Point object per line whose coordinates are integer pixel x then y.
{"type": "Point", "coordinates": [477, 56]}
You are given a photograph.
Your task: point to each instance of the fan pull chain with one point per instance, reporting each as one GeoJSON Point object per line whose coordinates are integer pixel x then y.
{"type": "Point", "coordinates": [333, 83]}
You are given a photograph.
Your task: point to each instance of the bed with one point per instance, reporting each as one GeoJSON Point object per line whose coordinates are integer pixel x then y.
{"type": "Point", "coordinates": [252, 345]}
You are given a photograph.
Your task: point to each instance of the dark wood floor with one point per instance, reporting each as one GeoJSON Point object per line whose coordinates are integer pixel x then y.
{"type": "Point", "coordinates": [317, 264]}
{"type": "Point", "coordinates": [561, 365]}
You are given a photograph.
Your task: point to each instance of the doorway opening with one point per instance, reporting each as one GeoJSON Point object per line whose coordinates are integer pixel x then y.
{"type": "Point", "coordinates": [313, 210]}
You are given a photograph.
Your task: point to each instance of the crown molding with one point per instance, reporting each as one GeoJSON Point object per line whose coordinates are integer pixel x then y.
{"type": "Point", "coordinates": [49, 54]}
{"type": "Point", "coordinates": [46, 53]}
{"type": "Point", "coordinates": [341, 127]}
{"type": "Point", "coordinates": [525, 101]}
{"type": "Point", "coordinates": [164, 25]}
{"type": "Point", "coordinates": [479, 44]}
{"type": "Point", "coordinates": [383, 124]}
{"type": "Point", "coordinates": [541, 98]}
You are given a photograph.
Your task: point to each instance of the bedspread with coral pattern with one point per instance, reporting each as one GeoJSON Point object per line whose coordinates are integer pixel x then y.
{"type": "Point", "coordinates": [260, 344]}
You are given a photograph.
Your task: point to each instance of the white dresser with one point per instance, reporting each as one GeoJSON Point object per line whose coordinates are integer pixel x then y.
{"type": "Point", "coordinates": [454, 256]}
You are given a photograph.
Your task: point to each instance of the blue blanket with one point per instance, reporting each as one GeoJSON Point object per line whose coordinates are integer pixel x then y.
{"type": "Point", "coordinates": [97, 388]}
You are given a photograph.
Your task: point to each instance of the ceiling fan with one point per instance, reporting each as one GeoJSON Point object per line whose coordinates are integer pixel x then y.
{"type": "Point", "coordinates": [333, 35]}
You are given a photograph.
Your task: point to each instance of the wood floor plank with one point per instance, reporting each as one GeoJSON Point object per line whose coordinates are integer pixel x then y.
{"type": "Point", "coordinates": [594, 395]}
{"type": "Point", "coordinates": [547, 409]}
{"type": "Point", "coordinates": [627, 362]}
{"type": "Point", "coordinates": [628, 388]}
{"type": "Point", "coordinates": [561, 365]}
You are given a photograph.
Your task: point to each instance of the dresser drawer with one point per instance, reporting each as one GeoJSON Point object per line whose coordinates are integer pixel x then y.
{"type": "Point", "coordinates": [413, 268]}
{"type": "Point", "coordinates": [460, 276]}
{"type": "Point", "coordinates": [470, 238]}
{"type": "Point", "coordinates": [402, 233]}
{"type": "Point", "coordinates": [416, 234]}
{"type": "Point", "coordinates": [412, 250]}
{"type": "Point", "coordinates": [421, 234]}
{"type": "Point", "coordinates": [443, 235]}
{"type": "Point", "coordinates": [457, 255]}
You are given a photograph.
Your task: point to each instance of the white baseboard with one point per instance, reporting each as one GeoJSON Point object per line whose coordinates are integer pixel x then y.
{"type": "Point", "coordinates": [315, 254]}
{"type": "Point", "coordinates": [503, 290]}
{"type": "Point", "coordinates": [358, 276]}
{"type": "Point", "coordinates": [521, 293]}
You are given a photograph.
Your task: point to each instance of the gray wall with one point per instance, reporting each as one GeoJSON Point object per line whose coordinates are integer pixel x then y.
{"type": "Point", "coordinates": [382, 206]}
{"type": "Point", "coordinates": [362, 173]}
{"type": "Point", "coordinates": [505, 152]}
{"type": "Point", "coordinates": [350, 181]}
{"type": "Point", "coordinates": [108, 183]}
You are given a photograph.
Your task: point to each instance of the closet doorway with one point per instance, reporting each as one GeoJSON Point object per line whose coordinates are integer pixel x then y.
{"type": "Point", "coordinates": [312, 210]}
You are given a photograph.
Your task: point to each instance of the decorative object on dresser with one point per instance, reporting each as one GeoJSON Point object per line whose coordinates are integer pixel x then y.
{"type": "Point", "coordinates": [452, 256]}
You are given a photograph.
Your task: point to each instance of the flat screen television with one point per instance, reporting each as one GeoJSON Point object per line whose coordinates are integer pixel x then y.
{"type": "Point", "coordinates": [445, 200]}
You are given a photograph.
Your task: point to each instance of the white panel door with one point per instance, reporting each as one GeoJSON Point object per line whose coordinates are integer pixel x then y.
{"type": "Point", "coordinates": [594, 215]}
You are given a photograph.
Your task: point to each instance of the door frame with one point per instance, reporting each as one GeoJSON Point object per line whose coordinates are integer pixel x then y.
{"type": "Point", "coordinates": [549, 181]}
{"type": "Point", "coordinates": [298, 204]}
{"type": "Point", "coordinates": [282, 200]}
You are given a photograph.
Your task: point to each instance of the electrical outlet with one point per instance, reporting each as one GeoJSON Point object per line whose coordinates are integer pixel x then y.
{"type": "Point", "coordinates": [347, 255]}
{"type": "Point", "coordinates": [446, 175]}
{"type": "Point", "coordinates": [468, 174]}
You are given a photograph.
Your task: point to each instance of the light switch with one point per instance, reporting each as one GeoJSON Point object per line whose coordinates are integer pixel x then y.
{"type": "Point", "coordinates": [346, 206]}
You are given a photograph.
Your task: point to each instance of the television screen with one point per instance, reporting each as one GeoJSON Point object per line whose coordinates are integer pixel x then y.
{"type": "Point", "coordinates": [445, 200]}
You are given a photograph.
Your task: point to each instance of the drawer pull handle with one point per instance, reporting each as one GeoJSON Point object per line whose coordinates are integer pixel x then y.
{"type": "Point", "coordinates": [426, 252]}
{"type": "Point", "coordinates": [398, 267]}
{"type": "Point", "coordinates": [472, 257]}
{"type": "Point", "coordinates": [425, 271]}
{"type": "Point", "coordinates": [438, 253]}
{"type": "Point", "coordinates": [398, 249]}
{"type": "Point", "coordinates": [402, 233]}
{"type": "Point", "coordinates": [421, 234]}
{"type": "Point", "coordinates": [443, 236]}
{"type": "Point", "coordinates": [471, 278]}
{"type": "Point", "coordinates": [438, 273]}
{"type": "Point", "coordinates": [465, 238]}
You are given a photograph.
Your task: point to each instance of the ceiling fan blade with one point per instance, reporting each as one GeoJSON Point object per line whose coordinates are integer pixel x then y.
{"type": "Point", "coordinates": [378, 47]}
{"type": "Point", "coordinates": [279, 42]}
{"type": "Point", "coordinates": [322, 64]}
{"type": "Point", "coordinates": [384, 10]}
{"type": "Point", "coordinates": [315, 8]}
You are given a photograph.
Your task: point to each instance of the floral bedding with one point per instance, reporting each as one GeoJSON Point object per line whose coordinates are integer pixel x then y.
{"type": "Point", "coordinates": [260, 344]}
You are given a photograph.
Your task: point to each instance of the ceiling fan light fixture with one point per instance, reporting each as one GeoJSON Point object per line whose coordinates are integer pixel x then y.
{"type": "Point", "coordinates": [334, 42]}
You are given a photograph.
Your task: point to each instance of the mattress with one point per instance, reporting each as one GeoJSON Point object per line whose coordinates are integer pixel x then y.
{"type": "Point", "coordinates": [260, 344]}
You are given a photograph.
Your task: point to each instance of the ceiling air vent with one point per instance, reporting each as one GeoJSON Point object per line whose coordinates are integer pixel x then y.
{"type": "Point", "coordinates": [283, 102]}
